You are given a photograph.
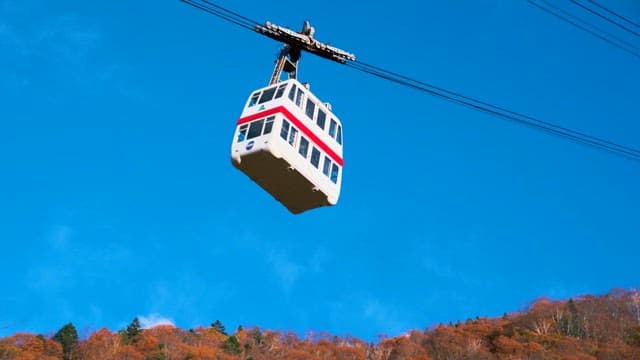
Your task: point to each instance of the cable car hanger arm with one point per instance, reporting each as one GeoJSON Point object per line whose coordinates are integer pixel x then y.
{"type": "Point", "coordinates": [295, 42]}
{"type": "Point", "coordinates": [304, 40]}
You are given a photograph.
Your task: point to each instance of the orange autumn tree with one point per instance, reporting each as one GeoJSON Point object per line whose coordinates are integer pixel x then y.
{"type": "Point", "coordinates": [604, 327]}
{"type": "Point", "coordinates": [22, 346]}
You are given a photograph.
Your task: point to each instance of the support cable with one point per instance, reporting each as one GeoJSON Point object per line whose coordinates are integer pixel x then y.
{"type": "Point", "coordinates": [250, 21]}
{"type": "Point", "coordinates": [449, 95]}
{"type": "Point", "coordinates": [605, 17]}
{"type": "Point", "coordinates": [500, 112]}
{"type": "Point", "coordinates": [597, 32]}
{"type": "Point", "coordinates": [227, 15]}
{"type": "Point", "coordinates": [494, 107]}
{"type": "Point", "coordinates": [614, 13]}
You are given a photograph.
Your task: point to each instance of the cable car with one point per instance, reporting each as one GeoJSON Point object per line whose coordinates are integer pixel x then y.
{"type": "Point", "coordinates": [287, 140]}
{"type": "Point", "coordinates": [290, 143]}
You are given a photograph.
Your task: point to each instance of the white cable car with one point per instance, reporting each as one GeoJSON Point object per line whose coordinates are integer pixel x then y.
{"type": "Point", "coordinates": [290, 143]}
{"type": "Point", "coordinates": [287, 140]}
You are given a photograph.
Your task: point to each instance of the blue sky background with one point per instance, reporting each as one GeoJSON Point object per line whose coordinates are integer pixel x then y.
{"type": "Point", "coordinates": [118, 198]}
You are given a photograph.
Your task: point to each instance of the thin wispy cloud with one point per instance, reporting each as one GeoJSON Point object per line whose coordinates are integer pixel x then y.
{"type": "Point", "coordinates": [54, 272]}
{"type": "Point", "coordinates": [73, 258]}
{"type": "Point", "coordinates": [60, 236]}
{"type": "Point", "coordinates": [161, 295]}
{"type": "Point", "coordinates": [290, 271]}
{"type": "Point", "coordinates": [380, 316]}
{"type": "Point", "coordinates": [318, 259]}
{"type": "Point", "coordinates": [383, 316]}
{"type": "Point", "coordinates": [67, 39]}
{"type": "Point", "coordinates": [9, 6]}
{"type": "Point", "coordinates": [60, 38]}
{"type": "Point", "coordinates": [439, 269]}
{"type": "Point", "coordinates": [58, 49]}
{"type": "Point", "coordinates": [152, 320]}
{"type": "Point", "coordinates": [441, 260]}
{"type": "Point", "coordinates": [285, 269]}
{"type": "Point", "coordinates": [14, 45]}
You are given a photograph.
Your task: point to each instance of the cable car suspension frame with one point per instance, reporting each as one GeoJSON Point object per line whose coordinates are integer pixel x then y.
{"type": "Point", "coordinates": [295, 42]}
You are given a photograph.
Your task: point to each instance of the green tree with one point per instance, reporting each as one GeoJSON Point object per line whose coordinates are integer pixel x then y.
{"type": "Point", "coordinates": [217, 326]}
{"type": "Point", "coordinates": [68, 338]}
{"type": "Point", "coordinates": [232, 346]}
{"type": "Point", "coordinates": [133, 331]}
{"type": "Point", "coordinates": [570, 324]}
{"type": "Point", "coordinates": [632, 336]}
{"type": "Point", "coordinates": [256, 335]}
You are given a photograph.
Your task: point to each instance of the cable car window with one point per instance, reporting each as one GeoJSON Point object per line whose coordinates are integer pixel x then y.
{"type": "Point", "coordinates": [315, 157]}
{"type": "Point", "coordinates": [334, 173]}
{"type": "Point", "coordinates": [267, 95]}
{"type": "Point", "coordinates": [311, 107]}
{"type": "Point", "coordinates": [299, 98]}
{"type": "Point", "coordinates": [242, 134]}
{"type": "Point", "coordinates": [292, 92]}
{"type": "Point", "coordinates": [339, 135]}
{"type": "Point", "coordinates": [292, 136]}
{"type": "Point", "coordinates": [285, 130]}
{"type": "Point", "coordinates": [332, 128]}
{"type": "Point", "coordinates": [304, 147]}
{"type": "Point", "coordinates": [326, 165]}
{"type": "Point", "coordinates": [280, 91]}
{"type": "Point", "coordinates": [268, 125]}
{"type": "Point", "coordinates": [255, 129]}
{"type": "Point", "coordinates": [321, 119]}
{"type": "Point", "coordinates": [254, 99]}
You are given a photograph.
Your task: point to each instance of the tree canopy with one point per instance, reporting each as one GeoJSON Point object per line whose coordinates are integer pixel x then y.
{"type": "Point", "coordinates": [587, 327]}
{"type": "Point", "coordinates": [67, 336]}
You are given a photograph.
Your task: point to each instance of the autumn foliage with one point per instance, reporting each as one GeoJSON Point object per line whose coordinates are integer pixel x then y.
{"type": "Point", "coordinates": [586, 328]}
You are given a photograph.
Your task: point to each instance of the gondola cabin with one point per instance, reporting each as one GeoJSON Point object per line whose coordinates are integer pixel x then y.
{"type": "Point", "coordinates": [290, 143]}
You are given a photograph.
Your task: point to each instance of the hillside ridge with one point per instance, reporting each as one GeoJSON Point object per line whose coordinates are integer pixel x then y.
{"type": "Point", "coordinates": [588, 327]}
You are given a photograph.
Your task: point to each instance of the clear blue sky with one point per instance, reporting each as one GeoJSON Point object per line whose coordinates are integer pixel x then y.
{"type": "Point", "coordinates": [118, 198]}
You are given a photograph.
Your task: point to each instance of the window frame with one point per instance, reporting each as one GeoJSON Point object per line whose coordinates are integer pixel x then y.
{"type": "Point", "coordinates": [242, 133]}
{"type": "Point", "coordinates": [280, 91]}
{"type": "Point", "coordinates": [321, 124]}
{"type": "Point", "coordinates": [284, 134]}
{"type": "Point", "coordinates": [326, 165]}
{"type": "Point", "coordinates": [253, 99]}
{"type": "Point", "coordinates": [292, 93]}
{"type": "Point", "coordinates": [310, 107]}
{"type": "Point", "coordinates": [333, 125]}
{"type": "Point", "coordinates": [315, 153]}
{"type": "Point", "coordinates": [293, 136]}
{"type": "Point", "coordinates": [299, 98]}
{"type": "Point", "coordinates": [268, 125]}
{"type": "Point", "coordinates": [335, 172]}
{"type": "Point", "coordinates": [303, 147]}
{"type": "Point", "coordinates": [253, 126]}
{"type": "Point", "coordinates": [270, 92]}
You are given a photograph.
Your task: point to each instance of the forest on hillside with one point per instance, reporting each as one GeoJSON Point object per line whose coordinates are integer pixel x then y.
{"type": "Point", "coordinates": [605, 327]}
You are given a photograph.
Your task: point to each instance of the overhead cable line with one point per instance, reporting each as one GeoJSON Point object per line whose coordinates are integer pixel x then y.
{"type": "Point", "coordinates": [498, 111]}
{"type": "Point", "coordinates": [595, 31]}
{"type": "Point", "coordinates": [222, 13]}
{"type": "Point", "coordinates": [443, 93]}
{"type": "Point", "coordinates": [605, 17]}
{"type": "Point", "coordinates": [614, 13]}
{"type": "Point", "coordinates": [230, 12]}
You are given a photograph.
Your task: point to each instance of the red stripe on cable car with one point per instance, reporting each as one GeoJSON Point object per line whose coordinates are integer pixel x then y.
{"type": "Point", "coordinates": [303, 128]}
{"type": "Point", "coordinates": [258, 115]}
